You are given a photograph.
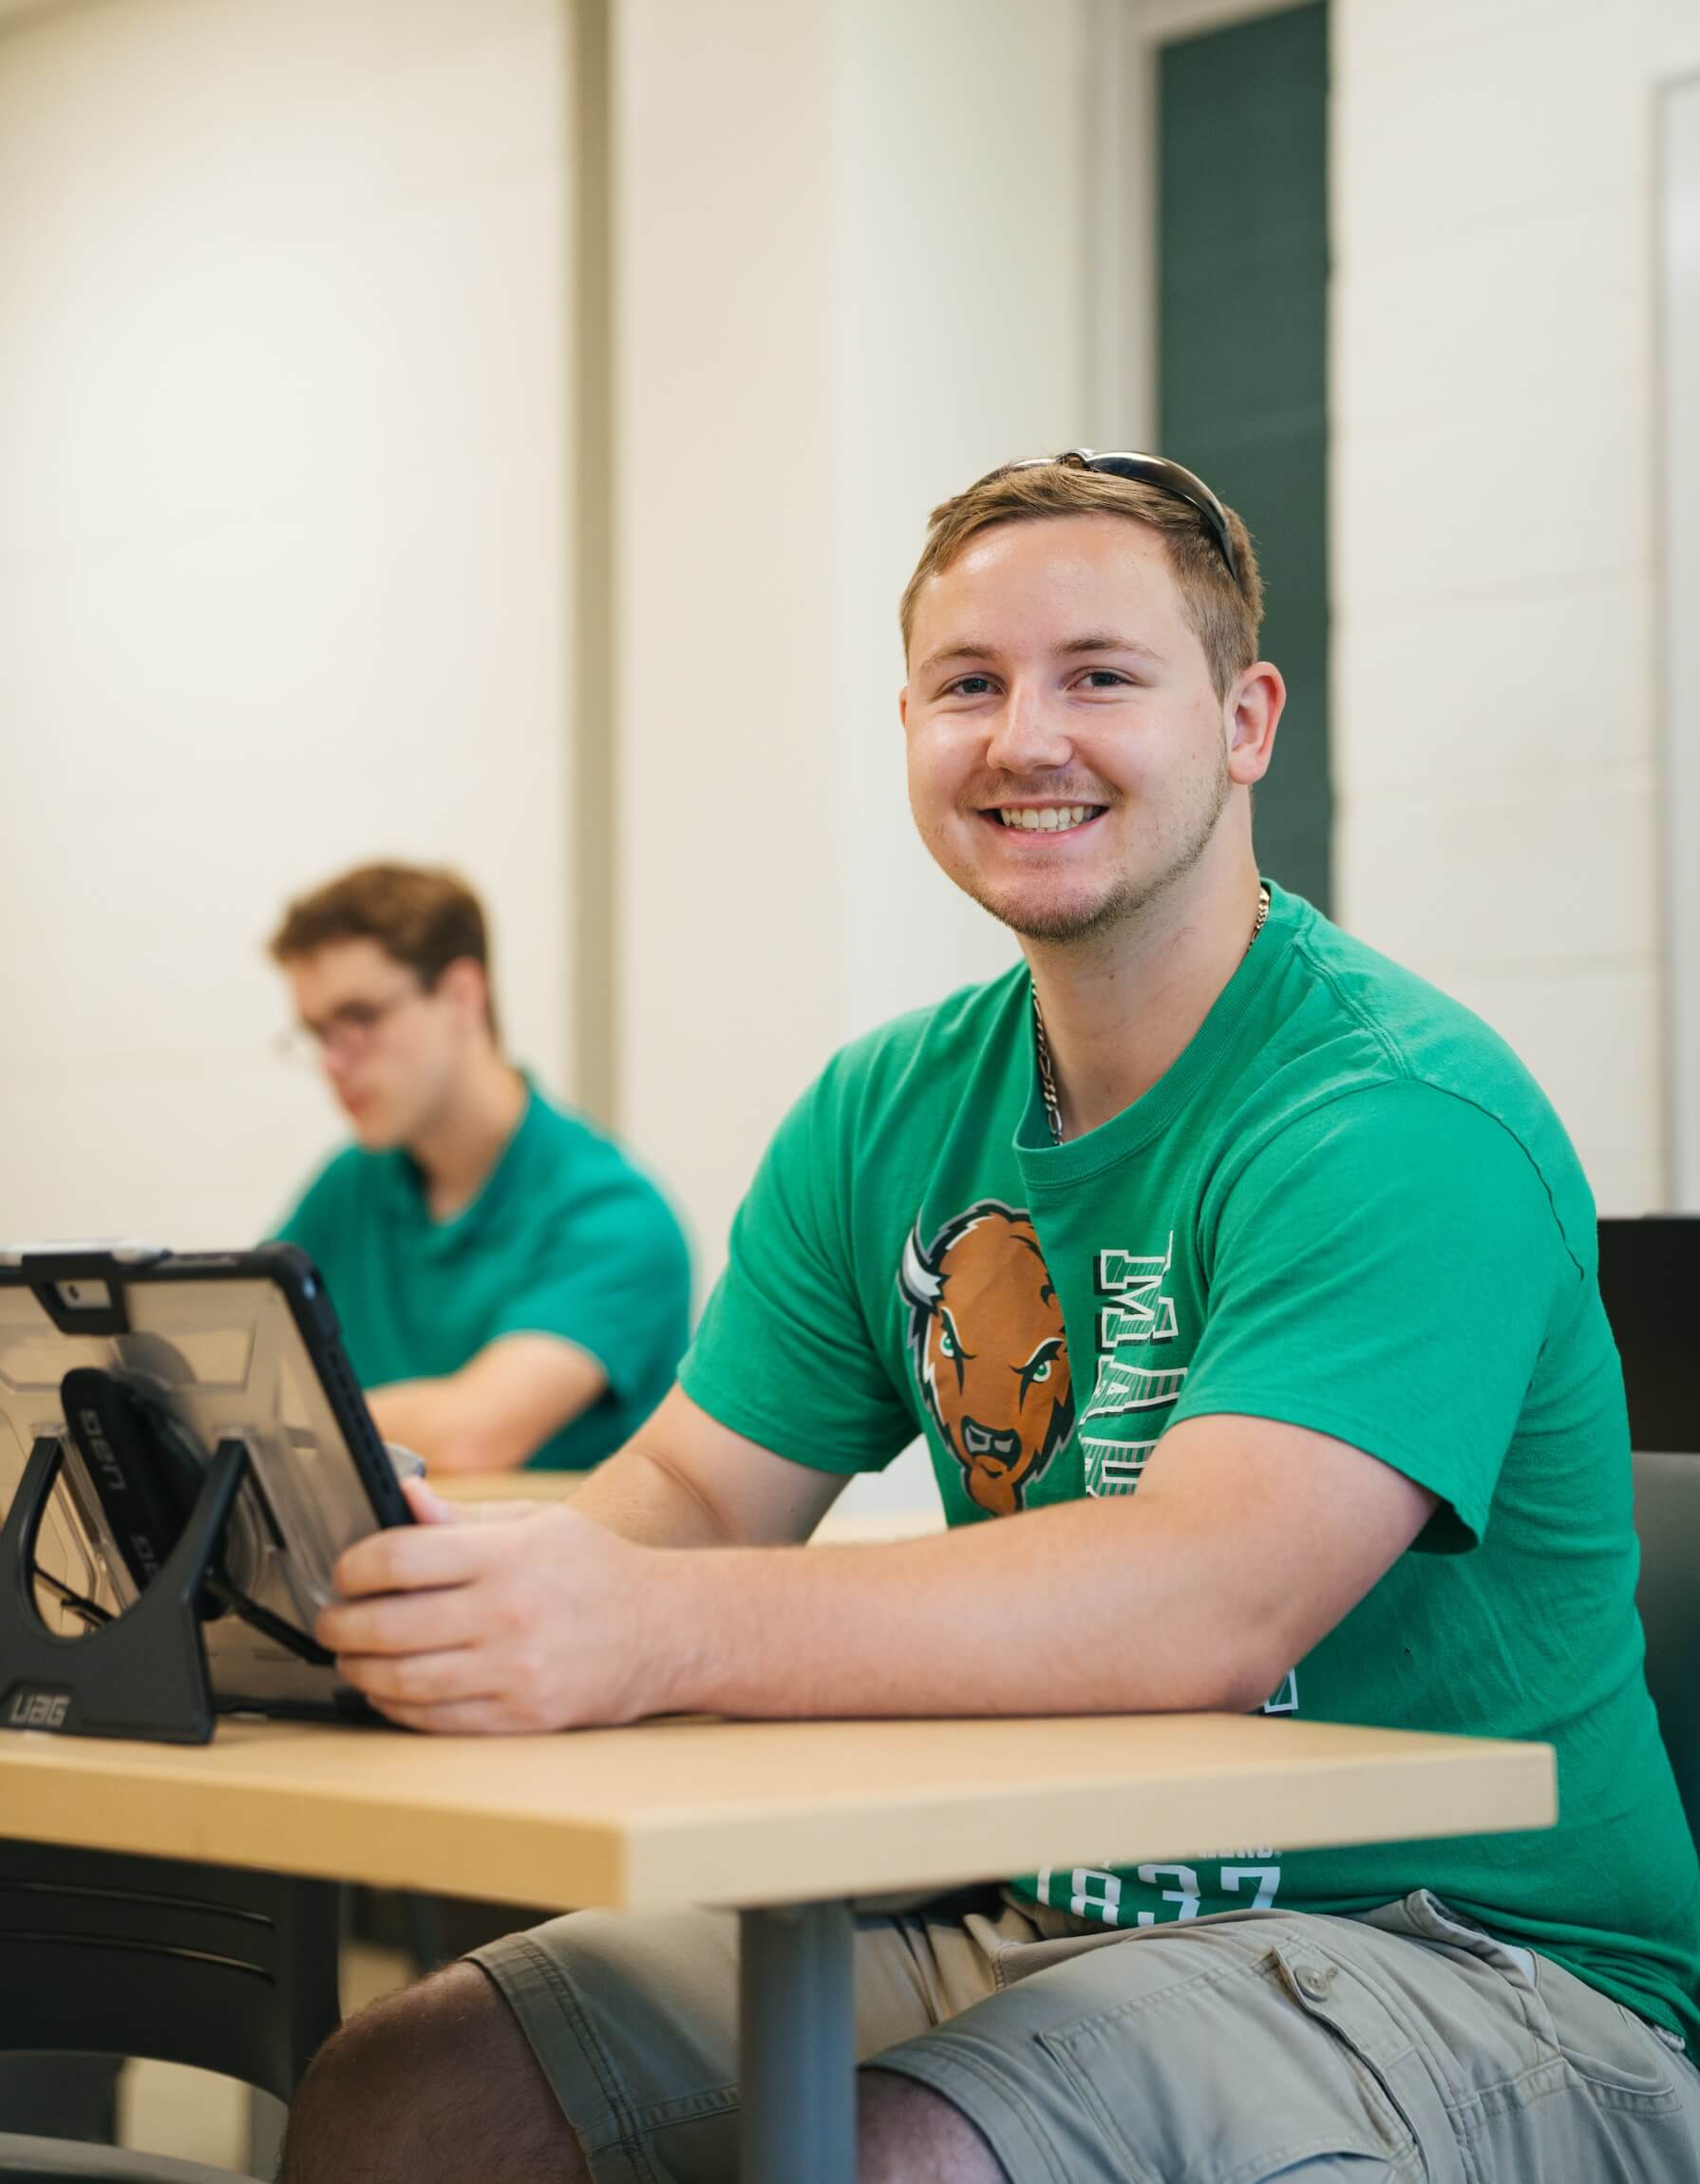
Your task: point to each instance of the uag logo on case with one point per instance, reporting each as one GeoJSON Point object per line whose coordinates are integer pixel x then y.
{"type": "Point", "coordinates": [99, 1448]}
{"type": "Point", "coordinates": [27, 1710]}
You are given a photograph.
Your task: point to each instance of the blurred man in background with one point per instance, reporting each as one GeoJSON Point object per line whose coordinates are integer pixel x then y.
{"type": "Point", "coordinates": [512, 1289]}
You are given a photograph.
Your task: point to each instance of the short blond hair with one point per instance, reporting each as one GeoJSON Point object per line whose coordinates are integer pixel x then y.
{"type": "Point", "coordinates": [1225, 614]}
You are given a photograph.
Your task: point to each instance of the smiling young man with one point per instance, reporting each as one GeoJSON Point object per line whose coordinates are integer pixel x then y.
{"type": "Point", "coordinates": [512, 1289]}
{"type": "Point", "coordinates": [1243, 1288]}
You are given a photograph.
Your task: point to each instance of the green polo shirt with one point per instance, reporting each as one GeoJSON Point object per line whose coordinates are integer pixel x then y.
{"type": "Point", "coordinates": [565, 1238]}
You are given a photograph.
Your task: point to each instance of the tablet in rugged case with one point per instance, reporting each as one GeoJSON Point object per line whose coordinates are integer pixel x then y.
{"type": "Point", "coordinates": [214, 1346]}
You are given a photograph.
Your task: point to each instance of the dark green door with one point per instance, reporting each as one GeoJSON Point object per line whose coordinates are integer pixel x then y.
{"type": "Point", "coordinates": [1242, 237]}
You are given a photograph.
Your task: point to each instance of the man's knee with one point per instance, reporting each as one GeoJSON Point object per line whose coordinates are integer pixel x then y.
{"type": "Point", "coordinates": [907, 2134]}
{"type": "Point", "coordinates": [437, 2081]}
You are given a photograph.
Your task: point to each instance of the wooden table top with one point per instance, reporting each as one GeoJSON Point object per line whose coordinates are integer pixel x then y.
{"type": "Point", "coordinates": [506, 1485]}
{"type": "Point", "coordinates": [835, 1530]}
{"type": "Point", "coordinates": [704, 1812]}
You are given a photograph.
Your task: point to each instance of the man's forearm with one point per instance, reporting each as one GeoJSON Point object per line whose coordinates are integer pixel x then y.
{"type": "Point", "coordinates": [1093, 1608]}
{"type": "Point", "coordinates": [438, 1420]}
{"type": "Point", "coordinates": [1248, 1541]}
{"type": "Point", "coordinates": [497, 1409]}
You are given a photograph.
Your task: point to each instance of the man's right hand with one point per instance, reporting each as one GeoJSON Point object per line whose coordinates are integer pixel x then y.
{"type": "Point", "coordinates": [527, 1624]}
{"type": "Point", "coordinates": [536, 1615]}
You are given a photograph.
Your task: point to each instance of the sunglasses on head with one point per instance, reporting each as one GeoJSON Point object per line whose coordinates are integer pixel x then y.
{"type": "Point", "coordinates": [1153, 470]}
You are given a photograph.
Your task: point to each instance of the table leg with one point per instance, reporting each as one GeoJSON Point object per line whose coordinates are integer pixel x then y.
{"type": "Point", "coordinates": [797, 2069]}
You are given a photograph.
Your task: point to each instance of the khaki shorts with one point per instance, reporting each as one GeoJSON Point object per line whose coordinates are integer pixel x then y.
{"type": "Point", "coordinates": [1225, 2051]}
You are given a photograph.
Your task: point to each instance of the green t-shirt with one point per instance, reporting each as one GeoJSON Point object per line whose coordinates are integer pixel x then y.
{"type": "Point", "coordinates": [1346, 1206]}
{"type": "Point", "coordinates": [566, 1238]}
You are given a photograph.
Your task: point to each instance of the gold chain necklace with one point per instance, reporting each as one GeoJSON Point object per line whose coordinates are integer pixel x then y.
{"type": "Point", "coordinates": [1048, 1081]}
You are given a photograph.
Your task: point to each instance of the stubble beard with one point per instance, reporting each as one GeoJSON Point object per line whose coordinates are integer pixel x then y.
{"type": "Point", "coordinates": [1182, 837]}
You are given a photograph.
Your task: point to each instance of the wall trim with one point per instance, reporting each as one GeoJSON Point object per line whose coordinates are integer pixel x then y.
{"type": "Point", "coordinates": [592, 771]}
{"type": "Point", "coordinates": [1676, 487]}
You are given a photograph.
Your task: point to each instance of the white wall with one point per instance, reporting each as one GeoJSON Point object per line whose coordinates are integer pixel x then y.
{"type": "Point", "coordinates": [963, 332]}
{"type": "Point", "coordinates": [1496, 469]}
{"type": "Point", "coordinates": [849, 258]}
{"type": "Point", "coordinates": [843, 297]}
{"type": "Point", "coordinates": [283, 553]}
{"type": "Point", "coordinates": [726, 662]}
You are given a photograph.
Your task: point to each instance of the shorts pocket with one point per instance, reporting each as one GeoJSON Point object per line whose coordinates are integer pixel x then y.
{"type": "Point", "coordinates": [1240, 2075]}
{"type": "Point", "coordinates": [1623, 2063]}
{"type": "Point", "coordinates": [1615, 2055]}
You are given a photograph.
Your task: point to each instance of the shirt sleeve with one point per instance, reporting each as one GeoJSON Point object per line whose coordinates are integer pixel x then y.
{"type": "Point", "coordinates": [612, 1278]}
{"type": "Point", "coordinates": [1386, 1270]}
{"type": "Point", "coordinates": [785, 1354]}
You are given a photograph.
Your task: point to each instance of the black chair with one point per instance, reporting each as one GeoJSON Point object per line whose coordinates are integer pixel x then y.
{"type": "Point", "coordinates": [1668, 1523]}
{"type": "Point", "coordinates": [1650, 1285]}
{"type": "Point", "coordinates": [225, 1969]}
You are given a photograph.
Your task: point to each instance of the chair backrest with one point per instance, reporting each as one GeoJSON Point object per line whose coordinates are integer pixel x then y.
{"type": "Point", "coordinates": [1648, 1275]}
{"type": "Point", "coordinates": [1667, 1525]}
{"type": "Point", "coordinates": [227, 1969]}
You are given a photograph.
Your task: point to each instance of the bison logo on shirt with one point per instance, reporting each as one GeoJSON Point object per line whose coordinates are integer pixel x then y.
{"type": "Point", "coordinates": [991, 1356]}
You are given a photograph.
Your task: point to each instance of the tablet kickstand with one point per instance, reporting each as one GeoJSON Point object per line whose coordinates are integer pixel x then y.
{"type": "Point", "coordinates": [143, 1673]}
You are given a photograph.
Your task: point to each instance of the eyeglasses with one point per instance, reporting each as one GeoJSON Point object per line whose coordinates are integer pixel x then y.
{"type": "Point", "coordinates": [346, 1031]}
{"type": "Point", "coordinates": [1153, 470]}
